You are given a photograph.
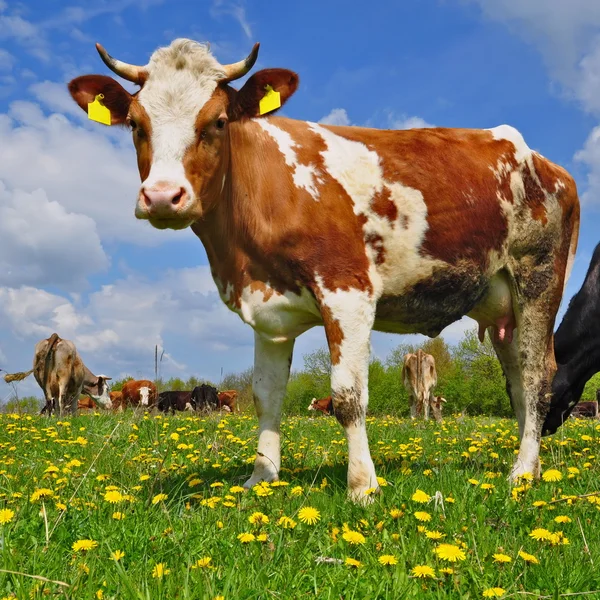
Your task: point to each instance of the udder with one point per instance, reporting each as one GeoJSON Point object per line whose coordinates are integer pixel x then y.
{"type": "Point", "coordinates": [496, 310]}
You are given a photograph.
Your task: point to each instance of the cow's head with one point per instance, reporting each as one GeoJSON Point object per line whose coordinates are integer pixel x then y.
{"type": "Point", "coordinates": [99, 390]}
{"type": "Point", "coordinates": [436, 407]}
{"type": "Point", "coordinates": [313, 404]}
{"type": "Point", "coordinates": [181, 120]}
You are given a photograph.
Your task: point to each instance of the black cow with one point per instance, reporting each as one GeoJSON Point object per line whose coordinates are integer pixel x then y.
{"type": "Point", "coordinates": [576, 348]}
{"type": "Point", "coordinates": [206, 397]}
{"type": "Point", "coordinates": [176, 401]}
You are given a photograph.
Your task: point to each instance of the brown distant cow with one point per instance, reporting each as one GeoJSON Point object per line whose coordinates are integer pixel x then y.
{"type": "Point", "coordinates": [140, 394]}
{"type": "Point", "coordinates": [61, 374]}
{"type": "Point", "coordinates": [86, 403]}
{"type": "Point", "coordinates": [353, 228]}
{"type": "Point", "coordinates": [228, 400]}
{"type": "Point", "coordinates": [586, 409]}
{"type": "Point", "coordinates": [324, 405]}
{"type": "Point", "coordinates": [116, 399]}
{"type": "Point", "coordinates": [419, 377]}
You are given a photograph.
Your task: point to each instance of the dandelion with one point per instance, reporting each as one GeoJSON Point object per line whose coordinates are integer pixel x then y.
{"type": "Point", "coordinates": [159, 498]}
{"type": "Point", "coordinates": [262, 537]}
{"type": "Point", "coordinates": [203, 563]}
{"type": "Point", "coordinates": [354, 537]}
{"type": "Point", "coordinates": [434, 535]}
{"type": "Point", "coordinates": [562, 519]}
{"type": "Point", "coordinates": [396, 513]}
{"type": "Point", "coordinates": [495, 592]}
{"type": "Point", "coordinates": [41, 493]}
{"type": "Point", "coordinates": [262, 490]}
{"type": "Point", "coordinates": [118, 516]}
{"type": "Point", "coordinates": [6, 516]}
{"type": "Point", "coordinates": [421, 497]}
{"type": "Point", "coordinates": [174, 437]}
{"type": "Point", "coordinates": [473, 481]}
{"type": "Point", "coordinates": [382, 482]}
{"type": "Point", "coordinates": [286, 522]}
{"type": "Point", "coordinates": [297, 491]}
{"type": "Point", "coordinates": [144, 477]}
{"type": "Point", "coordinates": [539, 503]}
{"type": "Point", "coordinates": [450, 552]}
{"type": "Point", "coordinates": [423, 571]}
{"type": "Point", "coordinates": [117, 555]}
{"type": "Point", "coordinates": [160, 571]}
{"type": "Point", "coordinates": [502, 558]}
{"type": "Point", "coordinates": [487, 486]}
{"type": "Point", "coordinates": [100, 594]}
{"type": "Point", "coordinates": [84, 545]}
{"type": "Point", "coordinates": [528, 558]}
{"type": "Point", "coordinates": [258, 518]}
{"type": "Point", "coordinates": [246, 538]}
{"type": "Point", "coordinates": [113, 496]}
{"type": "Point", "coordinates": [352, 562]}
{"type": "Point", "coordinates": [552, 475]}
{"type": "Point", "coordinates": [309, 515]}
{"type": "Point", "coordinates": [216, 484]}
{"type": "Point", "coordinates": [447, 571]}
{"type": "Point", "coordinates": [236, 489]}
{"type": "Point", "coordinates": [194, 482]}
{"type": "Point", "coordinates": [540, 534]}
{"type": "Point", "coordinates": [387, 560]}
{"type": "Point", "coordinates": [423, 516]}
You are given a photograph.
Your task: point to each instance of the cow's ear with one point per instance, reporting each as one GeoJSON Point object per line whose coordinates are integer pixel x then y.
{"type": "Point", "coordinates": [117, 99]}
{"type": "Point", "coordinates": [247, 101]}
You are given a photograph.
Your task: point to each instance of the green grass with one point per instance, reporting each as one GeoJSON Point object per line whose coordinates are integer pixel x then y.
{"type": "Point", "coordinates": [119, 451]}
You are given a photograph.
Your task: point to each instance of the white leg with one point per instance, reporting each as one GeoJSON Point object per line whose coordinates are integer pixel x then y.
{"type": "Point", "coordinates": [348, 318]}
{"type": "Point", "coordinates": [413, 407]}
{"type": "Point", "coordinates": [272, 362]}
{"type": "Point", "coordinates": [426, 407]}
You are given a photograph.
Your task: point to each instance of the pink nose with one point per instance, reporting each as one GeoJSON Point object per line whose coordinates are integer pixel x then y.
{"type": "Point", "coordinates": [162, 200]}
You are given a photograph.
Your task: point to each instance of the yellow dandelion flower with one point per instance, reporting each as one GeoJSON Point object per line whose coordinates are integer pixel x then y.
{"type": "Point", "coordinates": [203, 563]}
{"type": "Point", "coordinates": [144, 477]}
{"type": "Point", "coordinates": [41, 493]}
{"type": "Point", "coordinates": [174, 437]}
{"type": "Point", "coordinates": [113, 496]}
{"type": "Point", "coordinates": [421, 497]}
{"type": "Point", "coordinates": [382, 482]}
{"type": "Point", "coordinates": [473, 481]}
{"type": "Point", "coordinates": [236, 489]}
{"type": "Point", "coordinates": [434, 535]}
{"type": "Point", "coordinates": [502, 558]}
{"type": "Point", "coordinates": [84, 545]}
{"type": "Point", "coordinates": [423, 516]}
{"type": "Point", "coordinates": [352, 562]}
{"type": "Point", "coordinates": [118, 516]}
{"type": "Point", "coordinates": [194, 482]}
{"type": "Point", "coordinates": [354, 537]}
{"type": "Point", "coordinates": [539, 503]}
{"type": "Point", "coordinates": [100, 594]}
{"type": "Point", "coordinates": [562, 519]}
{"type": "Point", "coordinates": [246, 538]}
{"type": "Point", "coordinates": [6, 516]}
{"type": "Point", "coordinates": [387, 560]}
{"type": "Point", "coordinates": [258, 518]}
{"type": "Point", "coordinates": [160, 570]}
{"type": "Point", "coordinates": [450, 552]}
{"type": "Point", "coordinates": [262, 537]}
{"type": "Point", "coordinates": [527, 476]}
{"type": "Point", "coordinates": [450, 500]}
{"type": "Point", "coordinates": [309, 515]}
{"type": "Point", "coordinates": [495, 592]}
{"type": "Point", "coordinates": [487, 486]}
{"type": "Point", "coordinates": [447, 571]}
{"type": "Point", "coordinates": [396, 513]}
{"type": "Point", "coordinates": [159, 498]}
{"type": "Point", "coordinates": [286, 522]}
{"type": "Point", "coordinates": [423, 571]}
{"type": "Point", "coordinates": [540, 534]}
{"type": "Point", "coordinates": [552, 475]}
{"type": "Point", "coordinates": [297, 491]}
{"type": "Point", "coordinates": [117, 555]}
{"type": "Point", "coordinates": [262, 490]}
{"type": "Point", "coordinates": [216, 484]}
{"type": "Point", "coordinates": [528, 558]}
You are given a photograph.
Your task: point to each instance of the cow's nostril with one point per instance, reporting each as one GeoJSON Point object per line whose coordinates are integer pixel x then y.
{"type": "Point", "coordinates": [177, 198]}
{"type": "Point", "coordinates": [147, 200]}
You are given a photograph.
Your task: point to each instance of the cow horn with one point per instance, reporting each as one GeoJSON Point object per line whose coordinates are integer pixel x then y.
{"type": "Point", "coordinates": [239, 69]}
{"type": "Point", "coordinates": [132, 73]}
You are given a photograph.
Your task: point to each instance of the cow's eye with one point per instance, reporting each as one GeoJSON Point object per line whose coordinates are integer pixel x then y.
{"type": "Point", "coordinates": [132, 124]}
{"type": "Point", "coordinates": [221, 123]}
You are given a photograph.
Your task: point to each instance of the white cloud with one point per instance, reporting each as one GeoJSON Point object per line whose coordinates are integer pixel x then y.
{"type": "Point", "coordinates": [405, 122]}
{"type": "Point", "coordinates": [588, 88]}
{"type": "Point", "coordinates": [7, 60]}
{"type": "Point", "coordinates": [338, 116]}
{"type": "Point", "coordinates": [590, 156]}
{"type": "Point", "coordinates": [235, 10]}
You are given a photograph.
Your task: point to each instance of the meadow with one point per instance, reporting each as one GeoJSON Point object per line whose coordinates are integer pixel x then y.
{"type": "Point", "coordinates": [149, 507]}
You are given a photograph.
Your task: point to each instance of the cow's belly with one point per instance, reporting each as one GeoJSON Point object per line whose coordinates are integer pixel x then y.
{"type": "Point", "coordinates": [277, 316]}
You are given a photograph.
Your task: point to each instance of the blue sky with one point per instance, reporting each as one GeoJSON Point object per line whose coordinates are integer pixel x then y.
{"type": "Point", "coordinates": [73, 259]}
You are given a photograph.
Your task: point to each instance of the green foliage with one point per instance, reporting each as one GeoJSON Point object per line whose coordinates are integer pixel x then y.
{"type": "Point", "coordinates": [27, 404]}
{"type": "Point", "coordinates": [591, 387]}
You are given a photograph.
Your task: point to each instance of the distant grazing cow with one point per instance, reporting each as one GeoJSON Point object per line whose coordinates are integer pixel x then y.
{"type": "Point", "coordinates": [586, 409]}
{"type": "Point", "coordinates": [176, 400]}
{"type": "Point", "coordinates": [86, 403]}
{"type": "Point", "coordinates": [576, 348]}
{"type": "Point", "coordinates": [228, 400]}
{"type": "Point", "coordinates": [324, 405]}
{"type": "Point", "coordinates": [206, 397]}
{"type": "Point", "coordinates": [140, 393]}
{"type": "Point", "coordinates": [116, 399]}
{"type": "Point", "coordinates": [61, 374]}
{"type": "Point", "coordinates": [437, 403]}
{"type": "Point", "coordinates": [352, 228]}
{"type": "Point", "coordinates": [419, 377]}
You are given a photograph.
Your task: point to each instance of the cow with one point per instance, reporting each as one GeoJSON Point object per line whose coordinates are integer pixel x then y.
{"type": "Point", "coordinates": [86, 403]}
{"type": "Point", "coordinates": [436, 405]}
{"type": "Point", "coordinates": [352, 228]}
{"type": "Point", "coordinates": [140, 394]}
{"type": "Point", "coordinates": [324, 405]}
{"type": "Point", "coordinates": [228, 400]}
{"type": "Point", "coordinates": [116, 400]}
{"type": "Point", "coordinates": [174, 400]}
{"type": "Point", "coordinates": [62, 375]}
{"type": "Point", "coordinates": [206, 398]}
{"type": "Point", "coordinates": [576, 348]}
{"type": "Point", "coordinates": [419, 378]}
{"type": "Point", "coordinates": [586, 409]}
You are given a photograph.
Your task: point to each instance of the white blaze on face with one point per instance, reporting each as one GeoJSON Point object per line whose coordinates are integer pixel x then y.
{"type": "Point", "coordinates": [181, 79]}
{"type": "Point", "coordinates": [303, 175]}
{"type": "Point", "coordinates": [144, 395]}
{"type": "Point", "coordinates": [104, 398]}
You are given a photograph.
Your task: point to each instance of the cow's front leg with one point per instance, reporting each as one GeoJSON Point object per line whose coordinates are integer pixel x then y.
{"type": "Point", "coordinates": [348, 318]}
{"type": "Point", "coordinates": [272, 362]}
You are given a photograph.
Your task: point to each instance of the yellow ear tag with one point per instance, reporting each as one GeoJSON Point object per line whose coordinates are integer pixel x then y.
{"type": "Point", "coordinates": [98, 112]}
{"type": "Point", "coordinates": [270, 101]}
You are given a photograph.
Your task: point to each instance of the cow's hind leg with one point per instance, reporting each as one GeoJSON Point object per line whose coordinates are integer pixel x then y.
{"type": "Point", "coordinates": [272, 362]}
{"type": "Point", "coordinates": [348, 318]}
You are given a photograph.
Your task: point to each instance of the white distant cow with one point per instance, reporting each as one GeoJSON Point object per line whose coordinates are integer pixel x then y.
{"type": "Point", "coordinates": [419, 377]}
{"type": "Point", "coordinates": [352, 228]}
{"type": "Point", "coordinates": [60, 372]}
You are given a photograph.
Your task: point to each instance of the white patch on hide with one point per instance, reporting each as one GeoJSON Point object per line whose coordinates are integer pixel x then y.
{"type": "Point", "coordinates": [144, 395]}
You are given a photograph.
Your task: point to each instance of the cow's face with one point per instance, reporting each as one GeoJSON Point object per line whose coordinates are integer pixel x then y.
{"type": "Point", "coordinates": [100, 391]}
{"type": "Point", "coordinates": [180, 121]}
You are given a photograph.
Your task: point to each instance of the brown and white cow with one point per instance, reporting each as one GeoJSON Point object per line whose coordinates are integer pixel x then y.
{"type": "Point", "coordinates": [60, 372]}
{"type": "Point", "coordinates": [139, 394]}
{"type": "Point", "coordinates": [116, 399]}
{"type": "Point", "coordinates": [324, 405]}
{"type": "Point", "coordinates": [228, 400]}
{"type": "Point", "coordinates": [437, 405]}
{"type": "Point", "coordinates": [419, 378]}
{"type": "Point", "coordinates": [351, 228]}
